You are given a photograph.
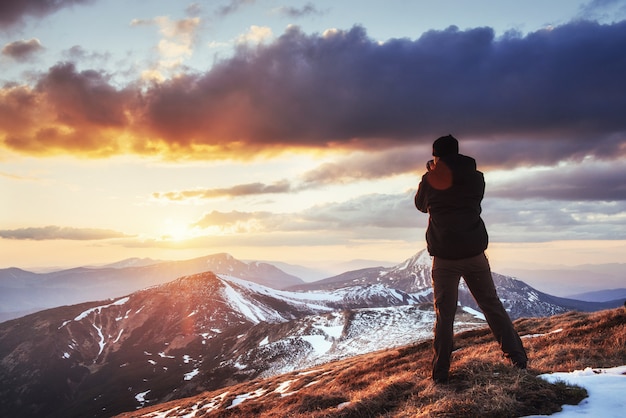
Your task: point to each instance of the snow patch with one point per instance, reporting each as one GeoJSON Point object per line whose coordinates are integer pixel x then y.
{"type": "Point", "coordinates": [163, 355]}
{"type": "Point", "coordinates": [191, 374]}
{"type": "Point", "coordinates": [283, 387]}
{"type": "Point", "coordinates": [542, 335]}
{"type": "Point", "coordinates": [250, 395]}
{"type": "Point", "coordinates": [98, 309]}
{"type": "Point", "coordinates": [118, 336]}
{"type": "Point", "coordinates": [141, 397]}
{"type": "Point", "coordinates": [606, 389]}
{"type": "Point", "coordinates": [319, 343]}
{"type": "Point", "coordinates": [474, 312]}
{"type": "Point", "coordinates": [101, 343]}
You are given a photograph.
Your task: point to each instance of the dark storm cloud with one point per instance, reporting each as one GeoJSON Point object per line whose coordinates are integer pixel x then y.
{"type": "Point", "coordinates": [558, 91]}
{"type": "Point", "coordinates": [13, 12]}
{"type": "Point", "coordinates": [343, 89]}
{"type": "Point", "coordinates": [57, 232]}
{"type": "Point", "coordinates": [22, 50]}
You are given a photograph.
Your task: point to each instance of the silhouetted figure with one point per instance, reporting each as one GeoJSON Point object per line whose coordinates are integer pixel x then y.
{"type": "Point", "coordinates": [451, 193]}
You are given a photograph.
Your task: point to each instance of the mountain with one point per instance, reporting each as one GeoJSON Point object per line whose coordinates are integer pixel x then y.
{"type": "Point", "coordinates": [570, 281]}
{"type": "Point", "coordinates": [23, 292]}
{"type": "Point", "coordinates": [602, 295]}
{"type": "Point", "coordinates": [307, 274]}
{"type": "Point", "coordinates": [207, 331]}
{"type": "Point", "coordinates": [132, 262]}
{"type": "Point", "coordinates": [414, 277]}
{"type": "Point", "coordinates": [196, 333]}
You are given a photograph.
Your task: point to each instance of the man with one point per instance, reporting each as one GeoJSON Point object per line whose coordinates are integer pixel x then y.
{"type": "Point", "coordinates": [451, 193]}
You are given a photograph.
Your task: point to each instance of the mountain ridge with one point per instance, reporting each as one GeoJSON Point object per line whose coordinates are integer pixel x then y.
{"type": "Point", "coordinates": [23, 292]}
{"type": "Point", "coordinates": [210, 330]}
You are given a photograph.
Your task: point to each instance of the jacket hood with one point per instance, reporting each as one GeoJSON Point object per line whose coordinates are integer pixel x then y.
{"type": "Point", "coordinates": [459, 163]}
{"type": "Point", "coordinates": [451, 169]}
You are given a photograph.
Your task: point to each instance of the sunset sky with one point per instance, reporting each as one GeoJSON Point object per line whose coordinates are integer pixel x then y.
{"type": "Point", "coordinates": [297, 131]}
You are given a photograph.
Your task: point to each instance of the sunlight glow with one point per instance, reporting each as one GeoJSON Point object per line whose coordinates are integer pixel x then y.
{"type": "Point", "coordinates": [176, 230]}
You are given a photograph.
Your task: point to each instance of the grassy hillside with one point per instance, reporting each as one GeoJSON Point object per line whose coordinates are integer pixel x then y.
{"type": "Point", "coordinates": [396, 383]}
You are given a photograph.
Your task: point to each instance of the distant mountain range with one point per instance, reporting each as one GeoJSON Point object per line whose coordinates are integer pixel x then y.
{"type": "Point", "coordinates": [602, 295]}
{"type": "Point", "coordinates": [23, 292]}
{"type": "Point", "coordinates": [208, 330]}
{"type": "Point", "coordinates": [575, 282]}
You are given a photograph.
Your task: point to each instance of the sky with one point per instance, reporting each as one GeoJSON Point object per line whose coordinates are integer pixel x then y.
{"type": "Point", "coordinates": [298, 131]}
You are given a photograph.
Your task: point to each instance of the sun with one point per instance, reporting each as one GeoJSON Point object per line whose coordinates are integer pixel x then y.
{"type": "Point", "coordinates": [176, 230]}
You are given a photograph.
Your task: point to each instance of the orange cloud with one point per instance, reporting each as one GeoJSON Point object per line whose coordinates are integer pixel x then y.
{"type": "Point", "coordinates": [66, 112]}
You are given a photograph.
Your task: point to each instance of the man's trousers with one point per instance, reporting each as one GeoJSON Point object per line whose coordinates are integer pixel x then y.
{"type": "Point", "coordinates": [476, 272]}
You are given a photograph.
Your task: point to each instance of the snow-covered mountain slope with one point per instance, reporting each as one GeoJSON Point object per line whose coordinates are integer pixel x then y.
{"type": "Point", "coordinates": [197, 332]}
{"type": "Point", "coordinates": [413, 277]}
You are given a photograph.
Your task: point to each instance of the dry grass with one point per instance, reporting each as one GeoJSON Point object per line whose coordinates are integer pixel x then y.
{"type": "Point", "coordinates": [395, 383]}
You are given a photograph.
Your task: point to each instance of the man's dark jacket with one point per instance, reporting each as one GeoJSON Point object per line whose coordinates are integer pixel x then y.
{"type": "Point", "coordinates": [451, 194]}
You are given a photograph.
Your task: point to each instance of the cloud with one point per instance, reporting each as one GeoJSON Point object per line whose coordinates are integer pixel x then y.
{"type": "Point", "coordinates": [552, 94]}
{"type": "Point", "coordinates": [66, 112]}
{"type": "Point", "coordinates": [363, 218]}
{"type": "Point", "coordinates": [57, 232]}
{"type": "Point", "coordinates": [179, 37]}
{"type": "Point", "coordinates": [22, 50]}
{"type": "Point", "coordinates": [249, 189]}
{"type": "Point", "coordinates": [348, 169]}
{"type": "Point", "coordinates": [366, 166]}
{"type": "Point", "coordinates": [194, 10]}
{"type": "Point", "coordinates": [591, 181]}
{"type": "Point", "coordinates": [540, 220]}
{"type": "Point", "coordinates": [232, 7]}
{"type": "Point", "coordinates": [308, 9]}
{"type": "Point", "coordinates": [255, 35]}
{"type": "Point", "coordinates": [77, 53]}
{"type": "Point", "coordinates": [13, 13]}
{"type": "Point", "coordinates": [362, 213]}
{"type": "Point", "coordinates": [600, 9]}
